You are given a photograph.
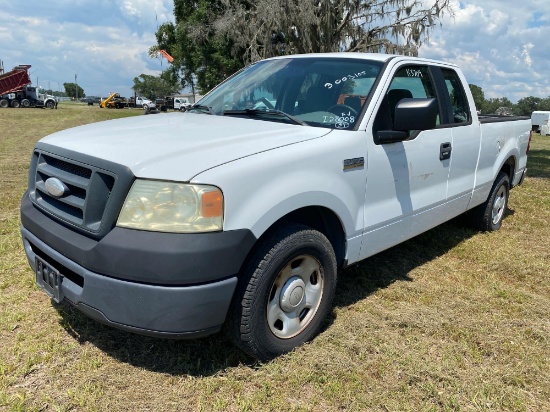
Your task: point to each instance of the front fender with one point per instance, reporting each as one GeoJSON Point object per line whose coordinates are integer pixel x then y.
{"type": "Point", "coordinates": [261, 189]}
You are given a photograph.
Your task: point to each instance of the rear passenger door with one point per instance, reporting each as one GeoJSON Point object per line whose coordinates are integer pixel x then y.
{"type": "Point", "coordinates": [466, 138]}
{"type": "Point", "coordinates": [406, 181]}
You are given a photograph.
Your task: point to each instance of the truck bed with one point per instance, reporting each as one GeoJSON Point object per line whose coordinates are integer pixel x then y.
{"type": "Point", "coordinates": [494, 118]}
{"type": "Point", "coordinates": [15, 79]}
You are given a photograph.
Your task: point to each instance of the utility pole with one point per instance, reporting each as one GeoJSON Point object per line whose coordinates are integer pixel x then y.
{"type": "Point", "coordinates": [76, 83]}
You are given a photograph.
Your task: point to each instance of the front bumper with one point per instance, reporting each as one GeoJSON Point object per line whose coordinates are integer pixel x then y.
{"type": "Point", "coordinates": [150, 283]}
{"type": "Point", "coordinates": [170, 311]}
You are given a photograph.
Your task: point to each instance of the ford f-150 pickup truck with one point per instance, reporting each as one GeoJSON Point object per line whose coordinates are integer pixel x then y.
{"type": "Point", "coordinates": [241, 211]}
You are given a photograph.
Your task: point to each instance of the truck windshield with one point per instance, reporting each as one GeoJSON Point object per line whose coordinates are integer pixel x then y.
{"type": "Point", "coordinates": [317, 91]}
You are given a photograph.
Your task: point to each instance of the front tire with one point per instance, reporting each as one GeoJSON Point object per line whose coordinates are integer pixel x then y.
{"type": "Point", "coordinates": [285, 292]}
{"type": "Point", "coordinates": [50, 104]}
{"type": "Point", "coordinates": [489, 215]}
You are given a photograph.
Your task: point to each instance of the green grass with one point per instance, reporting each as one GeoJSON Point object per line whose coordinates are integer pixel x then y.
{"type": "Point", "coordinates": [451, 320]}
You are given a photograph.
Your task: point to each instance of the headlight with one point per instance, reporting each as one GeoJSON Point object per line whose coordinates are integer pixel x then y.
{"type": "Point", "coordinates": [172, 207]}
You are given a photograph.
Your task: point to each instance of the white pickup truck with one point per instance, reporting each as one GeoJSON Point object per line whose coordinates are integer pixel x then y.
{"type": "Point", "coordinates": [241, 211]}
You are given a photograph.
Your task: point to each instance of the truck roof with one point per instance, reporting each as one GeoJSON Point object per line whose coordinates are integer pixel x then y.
{"type": "Point", "coordinates": [381, 57]}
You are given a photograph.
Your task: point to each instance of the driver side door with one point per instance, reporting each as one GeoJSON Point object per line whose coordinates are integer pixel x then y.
{"type": "Point", "coordinates": [406, 186]}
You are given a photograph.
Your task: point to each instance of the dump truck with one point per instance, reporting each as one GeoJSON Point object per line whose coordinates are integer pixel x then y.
{"type": "Point", "coordinates": [16, 90]}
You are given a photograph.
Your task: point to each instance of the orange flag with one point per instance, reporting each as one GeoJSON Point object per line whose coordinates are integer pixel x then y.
{"type": "Point", "coordinates": [168, 57]}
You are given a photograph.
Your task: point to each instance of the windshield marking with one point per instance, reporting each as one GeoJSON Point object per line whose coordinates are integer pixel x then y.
{"type": "Point", "coordinates": [346, 78]}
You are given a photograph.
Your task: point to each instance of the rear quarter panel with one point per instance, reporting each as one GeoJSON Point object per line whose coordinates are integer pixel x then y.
{"type": "Point", "coordinates": [500, 141]}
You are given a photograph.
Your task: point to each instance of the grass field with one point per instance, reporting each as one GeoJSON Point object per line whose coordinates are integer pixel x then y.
{"type": "Point", "coordinates": [452, 320]}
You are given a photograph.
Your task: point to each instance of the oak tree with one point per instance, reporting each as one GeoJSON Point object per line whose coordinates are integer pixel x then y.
{"type": "Point", "coordinates": [210, 39]}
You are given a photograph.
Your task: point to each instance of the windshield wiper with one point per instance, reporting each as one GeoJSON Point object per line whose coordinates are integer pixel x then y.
{"type": "Point", "coordinates": [260, 112]}
{"type": "Point", "coordinates": [203, 107]}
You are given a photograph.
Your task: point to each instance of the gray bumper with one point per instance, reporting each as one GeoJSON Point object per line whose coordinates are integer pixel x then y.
{"type": "Point", "coordinates": [155, 310]}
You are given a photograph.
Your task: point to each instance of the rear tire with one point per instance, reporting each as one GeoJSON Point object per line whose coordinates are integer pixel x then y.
{"type": "Point", "coordinates": [15, 104]}
{"type": "Point", "coordinates": [285, 292]}
{"type": "Point", "coordinates": [26, 103]}
{"type": "Point", "coordinates": [489, 215]}
{"type": "Point", "coordinates": [4, 104]}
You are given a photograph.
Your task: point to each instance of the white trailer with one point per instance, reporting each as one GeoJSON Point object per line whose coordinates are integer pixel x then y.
{"type": "Point", "coordinates": [540, 122]}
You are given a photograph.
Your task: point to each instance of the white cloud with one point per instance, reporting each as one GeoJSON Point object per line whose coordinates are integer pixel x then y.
{"type": "Point", "coordinates": [104, 43]}
{"type": "Point", "coordinates": [500, 45]}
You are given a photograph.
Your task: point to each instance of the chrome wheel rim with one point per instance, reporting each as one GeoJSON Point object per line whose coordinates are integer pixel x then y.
{"type": "Point", "coordinates": [295, 296]}
{"type": "Point", "coordinates": [499, 205]}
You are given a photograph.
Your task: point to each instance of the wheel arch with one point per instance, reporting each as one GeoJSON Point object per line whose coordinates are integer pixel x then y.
{"type": "Point", "coordinates": [323, 220]}
{"type": "Point", "coordinates": [320, 218]}
{"type": "Point", "coordinates": [508, 167]}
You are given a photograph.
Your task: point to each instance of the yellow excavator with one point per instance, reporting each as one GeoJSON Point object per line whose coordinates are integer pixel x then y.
{"type": "Point", "coordinates": [109, 102]}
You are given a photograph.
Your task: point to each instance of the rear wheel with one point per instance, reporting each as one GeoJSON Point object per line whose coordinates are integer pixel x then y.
{"type": "Point", "coordinates": [26, 103]}
{"type": "Point", "coordinates": [4, 103]}
{"type": "Point", "coordinates": [285, 292]}
{"type": "Point", "coordinates": [15, 103]}
{"type": "Point", "coordinates": [489, 215]}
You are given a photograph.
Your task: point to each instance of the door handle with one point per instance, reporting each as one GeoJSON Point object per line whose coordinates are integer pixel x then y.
{"type": "Point", "coordinates": [445, 151]}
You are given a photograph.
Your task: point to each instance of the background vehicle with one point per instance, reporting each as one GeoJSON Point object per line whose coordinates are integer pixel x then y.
{"type": "Point", "coordinates": [111, 102]}
{"type": "Point", "coordinates": [140, 102]}
{"type": "Point", "coordinates": [16, 90]}
{"type": "Point", "coordinates": [304, 165]}
{"type": "Point", "coordinates": [540, 122]}
{"type": "Point", "coordinates": [165, 103]}
{"type": "Point", "coordinates": [181, 103]}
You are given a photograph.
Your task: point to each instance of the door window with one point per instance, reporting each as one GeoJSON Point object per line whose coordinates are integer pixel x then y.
{"type": "Point", "coordinates": [459, 104]}
{"type": "Point", "coordinates": [408, 82]}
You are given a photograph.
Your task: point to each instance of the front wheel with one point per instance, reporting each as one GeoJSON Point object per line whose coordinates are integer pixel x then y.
{"type": "Point", "coordinates": [285, 292]}
{"type": "Point", "coordinates": [489, 215]}
{"type": "Point", "coordinates": [50, 104]}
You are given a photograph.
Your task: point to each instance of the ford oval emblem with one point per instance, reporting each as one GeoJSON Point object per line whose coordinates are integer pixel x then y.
{"type": "Point", "coordinates": [55, 187]}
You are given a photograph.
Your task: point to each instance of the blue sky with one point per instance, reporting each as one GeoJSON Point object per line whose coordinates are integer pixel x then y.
{"type": "Point", "coordinates": [500, 44]}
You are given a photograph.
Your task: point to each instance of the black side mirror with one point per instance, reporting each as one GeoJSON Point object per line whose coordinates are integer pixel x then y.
{"type": "Point", "coordinates": [410, 114]}
{"type": "Point", "coordinates": [415, 114]}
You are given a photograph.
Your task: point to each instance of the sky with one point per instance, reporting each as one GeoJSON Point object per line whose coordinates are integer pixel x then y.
{"type": "Point", "coordinates": [499, 44]}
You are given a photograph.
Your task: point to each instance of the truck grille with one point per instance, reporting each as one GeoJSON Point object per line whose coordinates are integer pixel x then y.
{"type": "Point", "coordinates": [87, 193]}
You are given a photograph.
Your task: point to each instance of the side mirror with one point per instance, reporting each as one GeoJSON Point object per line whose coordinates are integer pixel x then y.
{"type": "Point", "coordinates": [410, 114]}
{"type": "Point", "coordinates": [415, 114]}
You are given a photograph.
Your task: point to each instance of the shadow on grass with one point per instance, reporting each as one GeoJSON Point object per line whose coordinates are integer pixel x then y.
{"type": "Point", "coordinates": [538, 163]}
{"type": "Point", "coordinates": [207, 356]}
{"type": "Point", "coordinates": [380, 271]}
{"type": "Point", "coordinates": [196, 357]}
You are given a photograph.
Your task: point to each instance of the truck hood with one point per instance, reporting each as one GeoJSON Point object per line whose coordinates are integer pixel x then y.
{"type": "Point", "coordinates": [179, 146]}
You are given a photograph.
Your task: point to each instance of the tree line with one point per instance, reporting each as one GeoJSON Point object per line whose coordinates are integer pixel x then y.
{"type": "Point", "coordinates": [502, 105]}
